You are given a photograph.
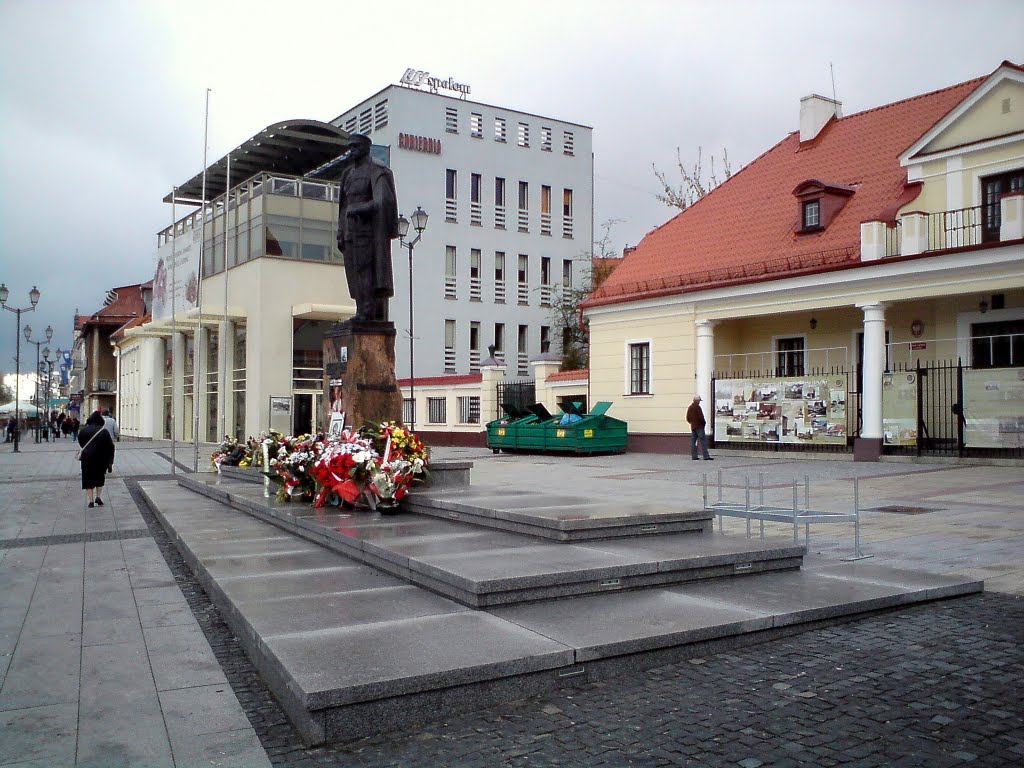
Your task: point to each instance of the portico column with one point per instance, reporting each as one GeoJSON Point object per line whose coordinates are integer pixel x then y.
{"type": "Point", "coordinates": [705, 363]}
{"type": "Point", "coordinates": [201, 399]}
{"type": "Point", "coordinates": [869, 446]}
{"type": "Point", "coordinates": [225, 379]}
{"type": "Point", "coordinates": [178, 386]}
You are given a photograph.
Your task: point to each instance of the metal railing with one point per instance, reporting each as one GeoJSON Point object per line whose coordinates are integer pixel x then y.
{"type": "Point", "coordinates": [954, 229]}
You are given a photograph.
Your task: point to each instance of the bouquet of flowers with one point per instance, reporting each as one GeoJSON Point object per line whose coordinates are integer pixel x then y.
{"type": "Point", "coordinates": [372, 464]}
{"type": "Point", "coordinates": [271, 439]}
{"type": "Point", "coordinates": [227, 450]}
{"type": "Point", "coordinates": [291, 466]}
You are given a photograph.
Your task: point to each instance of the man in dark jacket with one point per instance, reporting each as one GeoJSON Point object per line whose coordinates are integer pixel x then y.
{"type": "Point", "coordinates": [695, 418]}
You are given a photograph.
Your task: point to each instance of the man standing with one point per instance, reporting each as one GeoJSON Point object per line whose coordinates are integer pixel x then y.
{"type": "Point", "coordinates": [367, 223]}
{"type": "Point", "coordinates": [110, 423]}
{"type": "Point", "coordinates": [695, 417]}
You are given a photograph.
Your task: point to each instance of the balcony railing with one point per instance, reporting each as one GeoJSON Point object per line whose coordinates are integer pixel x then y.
{"type": "Point", "coordinates": [954, 229]}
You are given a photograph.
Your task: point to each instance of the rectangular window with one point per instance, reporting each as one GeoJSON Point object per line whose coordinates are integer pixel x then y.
{"type": "Point", "coordinates": [499, 192]}
{"type": "Point", "coordinates": [545, 270]}
{"type": "Point", "coordinates": [789, 356]}
{"type": "Point", "coordinates": [812, 214]}
{"type": "Point", "coordinates": [451, 120]}
{"type": "Point", "coordinates": [567, 273]}
{"type": "Point", "coordinates": [523, 135]}
{"type": "Point", "coordinates": [640, 369]}
{"type": "Point", "coordinates": [476, 125]}
{"type": "Point", "coordinates": [524, 196]}
{"type": "Point", "coordinates": [992, 189]}
{"type": "Point", "coordinates": [523, 339]}
{"type": "Point", "coordinates": [474, 336]}
{"type": "Point", "coordinates": [380, 115]}
{"type": "Point", "coordinates": [469, 410]}
{"type": "Point", "coordinates": [450, 272]}
{"type": "Point", "coordinates": [474, 188]}
{"type": "Point", "coordinates": [449, 346]}
{"type": "Point", "coordinates": [499, 337]}
{"type": "Point", "coordinates": [366, 121]}
{"type": "Point", "coordinates": [545, 199]}
{"type": "Point", "coordinates": [545, 139]}
{"type": "Point", "coordinates": [997, 345]}
{"type": "Point", "coordinates": [500, 129]}
{"type": "Point", "coordinates": [474, 263]}
{"type": "Point", "coordinates": [545, 339]}
{"type": "Point", "coordinates": [499, 266]}
{"type": "Point", "coordinates": [567, 202]}
{"type": "Point", "coordinates": [408, 408]}
{"type": "Point", "coordinates": [567, 143]}
{"type": "Point", "coordinates": [524, 267]}
{"type": "Point", "coordinates": [451, 184]}
{"type": "Point", "coordinates": [437, 410]}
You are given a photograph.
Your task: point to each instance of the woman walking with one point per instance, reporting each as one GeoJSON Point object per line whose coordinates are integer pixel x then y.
{"type": "Point", "coordinates": [97, 457]}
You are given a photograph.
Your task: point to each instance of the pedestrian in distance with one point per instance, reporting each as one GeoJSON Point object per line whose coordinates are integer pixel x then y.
{"type": "Point", "coordinates": [97, 457]}
{"type": "Point", "coordinates": [111, 424]}
{"type": "Point", "coordinates": [75, 426]}
{"type": "Point", "coordinates": [695, 418]}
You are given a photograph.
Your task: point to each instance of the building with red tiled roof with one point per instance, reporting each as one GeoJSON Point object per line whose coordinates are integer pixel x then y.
{"type": "Point", "coordinates": [854, 246]}
{"type": "Point", "coordinates": [94, 372]}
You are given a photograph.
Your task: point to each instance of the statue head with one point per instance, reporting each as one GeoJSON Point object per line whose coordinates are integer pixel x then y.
{"type": "Point", "coordinates": [359, 146]}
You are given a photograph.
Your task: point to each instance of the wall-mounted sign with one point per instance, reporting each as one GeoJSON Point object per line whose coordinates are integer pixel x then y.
{"type": "Point", "coordinates": [417, 78]}
{"type": "Point", "coordinates": [919, 345]}
{"type": "Point", "coordinates": [419, 143]}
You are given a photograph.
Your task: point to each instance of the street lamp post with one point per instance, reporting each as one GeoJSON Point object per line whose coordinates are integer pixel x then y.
{"type": "Point", "coordinates": [28, 338]}
{"type": "Point", "coordinates": [33, 296]}
{"type": "Point", "coordinates": [419, 223]}
{"type": "Point", "coordinates": [49, 370]}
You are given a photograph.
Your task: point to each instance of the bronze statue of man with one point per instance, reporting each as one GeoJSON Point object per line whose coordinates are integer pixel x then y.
{"type": "Point", "coordinates": [367, 223]}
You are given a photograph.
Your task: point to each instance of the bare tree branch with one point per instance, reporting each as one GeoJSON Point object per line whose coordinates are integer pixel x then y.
{"type": "Point", "coordinates": [692, 186]}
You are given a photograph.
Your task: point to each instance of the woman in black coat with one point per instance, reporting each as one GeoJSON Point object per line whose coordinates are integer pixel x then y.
{"type": "Point", "coordinates": [97, 456]}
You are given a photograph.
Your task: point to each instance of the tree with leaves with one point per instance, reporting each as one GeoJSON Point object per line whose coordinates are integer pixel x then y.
{"type": "Point", "coordinates": [566, 318]}
{"type": "Point", "coordinates": [692, 186]}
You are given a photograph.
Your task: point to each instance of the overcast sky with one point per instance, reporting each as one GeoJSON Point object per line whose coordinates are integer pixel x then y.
{"type": "Point", "coordinates": [103, 101]}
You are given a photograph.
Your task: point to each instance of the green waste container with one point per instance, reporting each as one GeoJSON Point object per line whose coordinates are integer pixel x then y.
{"type": "Point", "coordinates": [501, 433]}
{"type": "Point", "coordinates": [595, 432]}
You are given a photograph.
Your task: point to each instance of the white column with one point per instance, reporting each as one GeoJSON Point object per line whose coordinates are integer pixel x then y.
{"type": "Point", "coordinates": [543, 366]}
{"type": "Point", "coordinates": [873, 368]}
{"type": "Point", "coordinates": [178, 385]}
{"type": "Point", "coordinates": [492, 372]}
{"type": "Point", "coordinates": [705, 364]}
{"type": "Point", "coordinates": [201, 399]}
{"type": "Point", "coordinates": [872, 240]}
{"type": "Point", "coordinates": [915, 233]}
{"type": "Point", "coordinates": [225, 379]}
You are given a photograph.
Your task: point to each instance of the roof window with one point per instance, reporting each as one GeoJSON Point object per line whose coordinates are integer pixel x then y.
{"type": "Point", "coordinates": [819, 202]}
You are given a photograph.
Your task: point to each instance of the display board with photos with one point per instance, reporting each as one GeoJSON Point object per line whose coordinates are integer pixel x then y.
{"type": "Point", "coordinates": [994, 414]}
{"type": "Point", "coordinates": [899, 408]}
{"type": "Point", "coordinates": [786, 409]}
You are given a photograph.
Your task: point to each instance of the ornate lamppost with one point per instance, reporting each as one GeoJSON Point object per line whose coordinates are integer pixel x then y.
{"type": "Point", "coordinates": [28, 338]}
{"type": "Point", "coordinates": [33, 296]}
{"type": "Point", "coordinates": [49, 385]}
{"type": "Point", "coordinates": [419, 223]}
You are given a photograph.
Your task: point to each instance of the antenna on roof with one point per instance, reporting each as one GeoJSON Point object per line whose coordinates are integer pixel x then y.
{"type": "Point", "coordinates": [833, 73]}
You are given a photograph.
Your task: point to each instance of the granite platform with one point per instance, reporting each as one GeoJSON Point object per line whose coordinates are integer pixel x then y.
{"type": "Point", "coordinates": [482, 567]}
{"type": "Point", "coordinates": [351, 650]}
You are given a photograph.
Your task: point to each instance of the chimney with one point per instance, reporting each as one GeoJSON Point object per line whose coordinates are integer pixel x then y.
{"type": "Point", "coordinates": [815, 111]}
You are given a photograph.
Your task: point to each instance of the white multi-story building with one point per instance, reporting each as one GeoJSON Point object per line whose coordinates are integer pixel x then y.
{"type": "Point", "coordinates": [510, 199]}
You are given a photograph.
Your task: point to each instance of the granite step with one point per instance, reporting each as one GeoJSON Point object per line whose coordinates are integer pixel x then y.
{"type": "Point", "coordinates": [351, 651]}
{"type": "Point", "coordinates": [481, 567]}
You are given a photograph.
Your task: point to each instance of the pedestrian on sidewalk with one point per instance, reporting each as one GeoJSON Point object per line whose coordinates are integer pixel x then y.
{"type": "Point", "coordinates": [111, 424]}
{"type": "Point", "coordinates": [695, 418]}
{"type": "Point", "coordinates": [97, 457]}
{"type": "Point", "coordinates": [75, 426]}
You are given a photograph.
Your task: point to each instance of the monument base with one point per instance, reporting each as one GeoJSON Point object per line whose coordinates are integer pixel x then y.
{"type": "Point", "coordinates": [359, 364]}
{"type": "Point", "coordinates": [867, 448]}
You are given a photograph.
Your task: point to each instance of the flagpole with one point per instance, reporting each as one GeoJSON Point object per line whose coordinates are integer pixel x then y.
{"type": "Point", "coordinates": [198, 384]}
{"type": "Point", "coordinates": [225, 355]}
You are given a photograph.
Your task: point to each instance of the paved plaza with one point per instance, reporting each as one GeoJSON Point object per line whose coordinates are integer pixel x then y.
{"type": "Point", "coordinates": [112, 654]}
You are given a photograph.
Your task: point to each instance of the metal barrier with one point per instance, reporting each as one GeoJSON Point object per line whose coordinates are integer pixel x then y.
{"type": "Point", "coordinates": [793, 515]}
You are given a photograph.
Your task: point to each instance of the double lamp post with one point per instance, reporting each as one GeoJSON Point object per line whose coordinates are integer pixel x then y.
{"type": "Point", "coordinates": [419, 223]}
{"type": "Point", "coordinates": [28, 338]}
{"type": "Point", "coordinates": [33, 296]}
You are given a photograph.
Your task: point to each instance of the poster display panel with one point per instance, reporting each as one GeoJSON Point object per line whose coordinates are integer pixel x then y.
{"type": "Point", "coordinates": [176, 275]}
{"type": "Point", "coordinates": [899, 408]}
{"type": "Point", "coordinates": [786, 409]}
{"type": "Point", "coordinates": [994, 414]}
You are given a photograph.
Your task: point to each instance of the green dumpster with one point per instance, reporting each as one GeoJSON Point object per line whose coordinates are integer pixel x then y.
{"type": "Point", "coordinates": [501, 433]}
{"type": "Point", "coordinates": [531, 435]}
{"type": "Point", "coordinates": [595, 432]}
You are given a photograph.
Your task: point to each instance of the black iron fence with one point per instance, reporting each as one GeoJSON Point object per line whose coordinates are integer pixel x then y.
{"type": "Point", "coordinates": [518, 394]}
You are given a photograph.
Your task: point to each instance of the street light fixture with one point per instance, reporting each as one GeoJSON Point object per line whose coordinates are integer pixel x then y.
{"type": "Point", "coordinates": [33, 296]}
{"type": "Point", "coordinates": [419, 223]}
{"type": "Point", "coordinates": [28, 338]}
{"type": "Point", "coordinates": [49, 371]}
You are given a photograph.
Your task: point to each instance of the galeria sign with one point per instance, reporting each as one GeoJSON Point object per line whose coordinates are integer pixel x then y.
{"type": "Point", "coordinates": [418, 77]}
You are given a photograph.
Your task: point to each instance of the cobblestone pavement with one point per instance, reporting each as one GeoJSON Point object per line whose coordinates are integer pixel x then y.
{"type": "Point", "coordinates": [936, 685]}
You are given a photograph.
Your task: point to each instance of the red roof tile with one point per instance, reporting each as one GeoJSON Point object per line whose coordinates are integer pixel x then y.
{"type": "Point", "coordinates": [128, 304]}
{"type": "Point", "coordinates": [581, 375]}
{"type": "Point", "coordinates": [745, 229]}
{"type": "Point", "coordinates": [452, 381]}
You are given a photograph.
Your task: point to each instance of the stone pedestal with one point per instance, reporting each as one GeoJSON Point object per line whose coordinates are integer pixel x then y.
{"type": "Point", "coordinates": [361, 356]}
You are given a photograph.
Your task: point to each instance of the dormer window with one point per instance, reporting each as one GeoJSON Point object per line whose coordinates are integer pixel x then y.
{"type": "Point", "coordinates": [818, 203]}
{"type": "Point", "coordinates": [812, 215]}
